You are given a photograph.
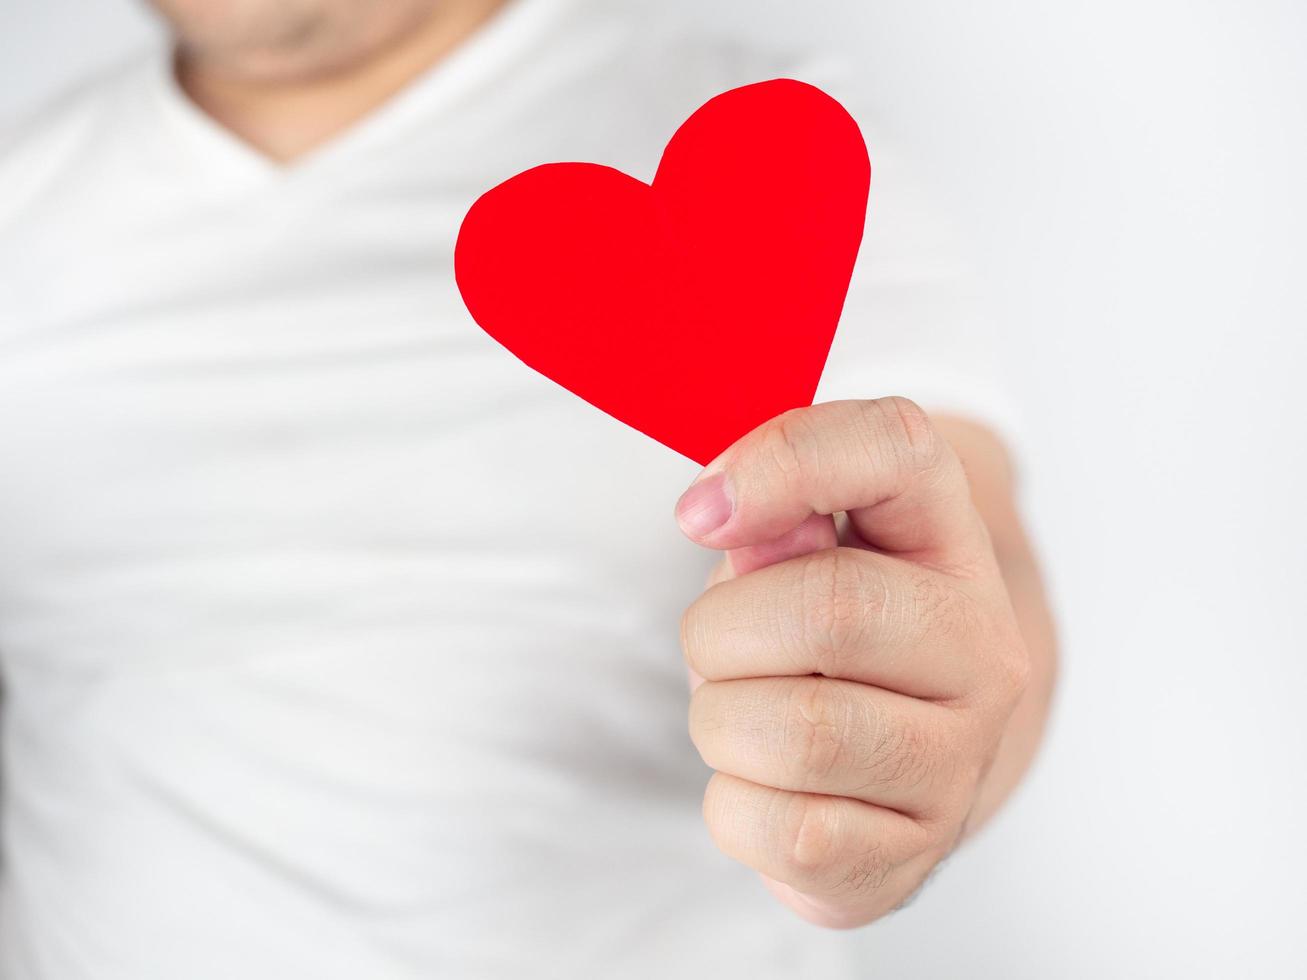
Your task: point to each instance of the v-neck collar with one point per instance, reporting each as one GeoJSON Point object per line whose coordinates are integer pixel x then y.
{"type": "Point", "coordinates": [483, 54]}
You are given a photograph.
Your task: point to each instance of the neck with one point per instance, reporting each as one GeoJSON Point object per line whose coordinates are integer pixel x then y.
{"type": "Point", "coordinates": [285, 116]}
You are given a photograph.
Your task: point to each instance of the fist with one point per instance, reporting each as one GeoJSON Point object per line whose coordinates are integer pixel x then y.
{"type": "Point", "coordinates": [856, 657]}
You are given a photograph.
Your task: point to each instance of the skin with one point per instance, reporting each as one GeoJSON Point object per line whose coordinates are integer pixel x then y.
{"type": "Point", "coordinates": [873, 660]}
{"type": "Point", "coordinates": [869, 689]}
{"type": "Point", "coordinates": [285, 76]}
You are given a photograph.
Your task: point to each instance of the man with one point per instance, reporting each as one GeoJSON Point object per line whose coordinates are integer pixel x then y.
{"type": "Point", "coordinates": [339, 644]}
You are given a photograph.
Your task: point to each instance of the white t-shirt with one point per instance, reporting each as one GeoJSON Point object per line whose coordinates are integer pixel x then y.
{"type": "Point", "coordinates": [336, 643]}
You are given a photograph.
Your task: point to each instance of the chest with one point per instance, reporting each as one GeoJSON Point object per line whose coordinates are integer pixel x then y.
{"type": "Point", "coordinates": [285, 376]}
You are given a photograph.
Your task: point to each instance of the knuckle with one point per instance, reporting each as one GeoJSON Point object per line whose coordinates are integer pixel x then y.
{"type": "Point", "coordinates": [904, 429]}
{"type": "Point", "coordinates": [911, 423]}
{"type": "Point", "coordinates": [839, 595]}
{"type": "Point", "coordinates": [821, 855]}
{"type": "Point", "coordinates": [813, 843]}
{"type": "Point", "coordinates": [815, 730]}
{"type": "Point", "coordinates": [830, 734]}
{"type": "Point", "coordinates": [933, 601]}
{"type": "Point", "coordinates": [788, 443]}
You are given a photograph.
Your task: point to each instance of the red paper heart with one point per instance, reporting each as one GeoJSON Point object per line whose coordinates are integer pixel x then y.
{"type": "Point", "coordinates": [700, 306]}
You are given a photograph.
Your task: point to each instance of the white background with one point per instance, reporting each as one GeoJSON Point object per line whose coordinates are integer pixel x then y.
{"type": "Point", "coordinates": [1130, 174]}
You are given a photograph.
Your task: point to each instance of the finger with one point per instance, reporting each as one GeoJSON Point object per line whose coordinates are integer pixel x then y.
{"type": "Point", "coordinates": [824, 846]}
{"type": "Point", "coordinates": [816, 735]}
{"type": "Point", "coordinates": [815, 534]}
{"type": "Point", "coordinates": [835, 912]}
{"type": "Point", "coordinates": [880, 461]}
{"type": "Point", "coordinates": [721, 572]}
{"type": "Point", "coordinates": [843, 612]}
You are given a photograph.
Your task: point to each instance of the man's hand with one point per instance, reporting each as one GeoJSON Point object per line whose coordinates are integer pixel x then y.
{"type": "Point", "coordinates": [855, 683]}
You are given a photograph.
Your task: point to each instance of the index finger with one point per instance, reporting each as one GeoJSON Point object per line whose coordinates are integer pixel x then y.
{"type": "Point", "coordinates": [880, 461]}
{"type": "Point", "coordinates": [843, 613]}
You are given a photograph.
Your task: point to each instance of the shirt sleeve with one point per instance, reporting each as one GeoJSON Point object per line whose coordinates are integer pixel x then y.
{"type": "Point", "coordinates": [915, 322]}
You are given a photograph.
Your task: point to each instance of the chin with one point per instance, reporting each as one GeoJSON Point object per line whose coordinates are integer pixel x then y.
{"type": "Point", "coordinates": [278, 40]}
